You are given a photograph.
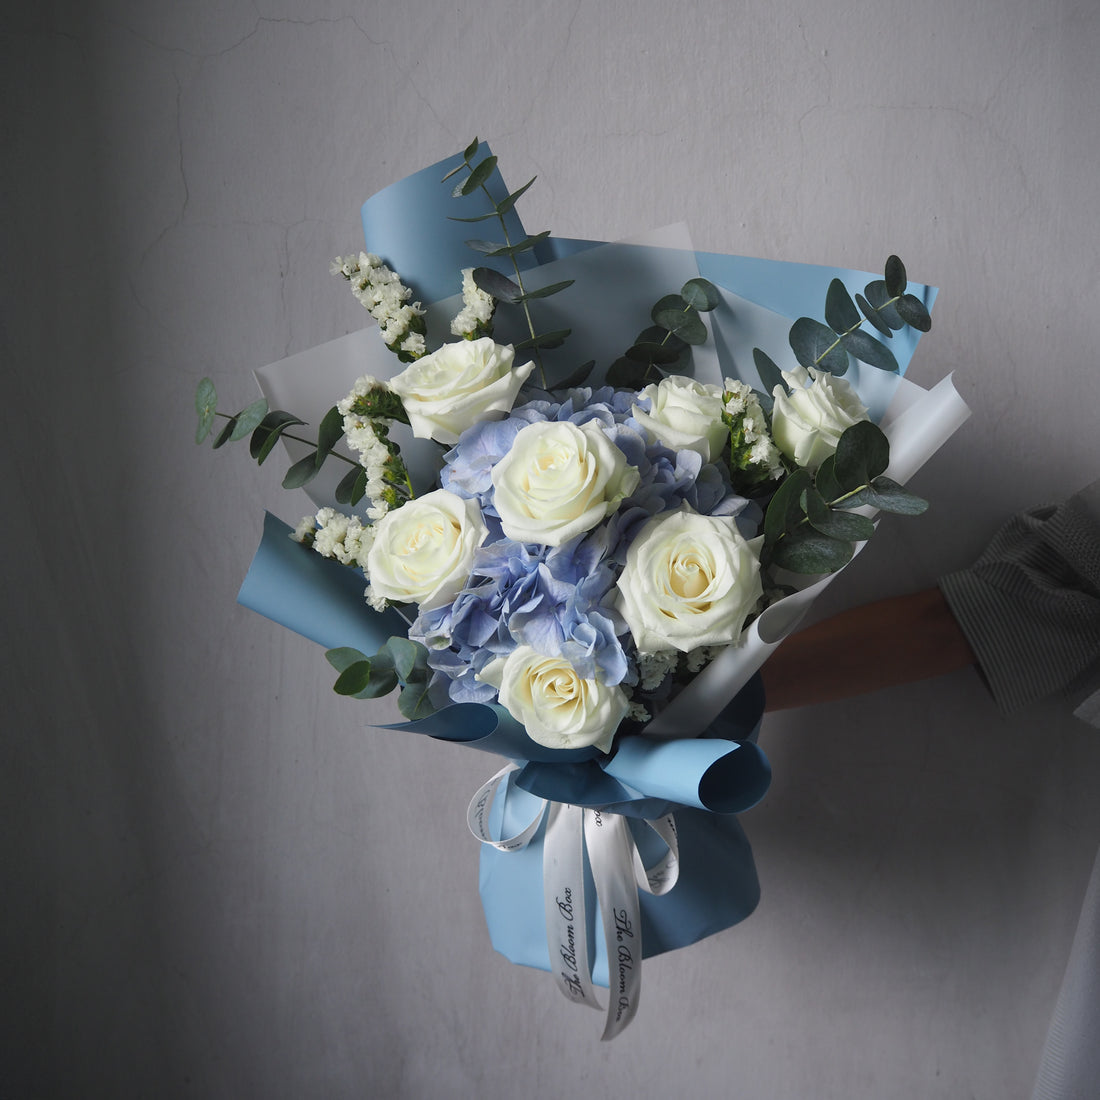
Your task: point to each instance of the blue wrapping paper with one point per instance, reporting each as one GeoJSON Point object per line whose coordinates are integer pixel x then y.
{"type": "Point", "coordinates": [704, 780]}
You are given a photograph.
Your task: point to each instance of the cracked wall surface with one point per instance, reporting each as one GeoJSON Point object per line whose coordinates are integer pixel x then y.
{"type": "Point", "coordinates": [221, 881]}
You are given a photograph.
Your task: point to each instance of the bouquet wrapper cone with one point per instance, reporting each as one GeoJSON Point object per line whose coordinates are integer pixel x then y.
{"type": "Point", "coordinates": [698, 761]}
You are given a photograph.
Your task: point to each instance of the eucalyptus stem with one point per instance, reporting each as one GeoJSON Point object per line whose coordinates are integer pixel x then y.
{"type": "Point", "coordinates": [847, 332]}
{"type": "Point", "coordinates": [298, 439]}
{"type": "Point", "coordinates": [519, 283]}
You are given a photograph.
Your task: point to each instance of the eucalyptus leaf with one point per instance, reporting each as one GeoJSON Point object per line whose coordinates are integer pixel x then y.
{"type": "Point", "coordinates": [826, 482]}
{"type": "Point", "coordinates": [475, 218]}
{"type": "Point", "coordinates": [862, 453]}
{"type": "Point", "coordinates": [785, 510]}
{"type": "Point", "coordinates": [670, 304]}
{"type": "Point", "coordinates": [481, 172]}
{"type": "Point", "coordinates": [626, 374]}
{"type": "Point", "coordinates": [382, 679]}
{"type": "Point", "coordinates": [657, 335]}
{"type": "Point", "coordinates": [883, 304]}
{"type": "Point", "coordinates": [688, 326]}
{"type": "Point", "coordinates": [496, 285]}
{"type": "Point", "coordinates": [329, 433]}
{"type": "Point", "coordinates": [352, 486]}
{"type": "Point", "coordinates": [343, 657]}
{"type": "Point", "coordinates": [578, 377]}
{"type": "Point", "coordinates": [840, 311]}
{"type": "Point", "coordinates": [509, 201]}
{"type": "Point", "coordinates": [410, 659]}
{"type": "Point", "coordinates": [354, 679]}
{"type": "Point", "coordinates": [846, 526]}
{"type": "Point", "coordinates": [268, 431]}
{"type": "Point", "coordinates": [816, 345]}
{"type": "Point", "coordinates": [302, 472]}
{"type": "Point", "coordinates": [811, 502]}
{"type": "Point", "coordinates": [873, 316]}
{"type": "Point", "coordinates": [526, 245]}
{"type": "Point", "coordinates": [892, 497]}
{"type": "Point", "coordinates": [362, 677]}
{"type": "Point", "coordinates": [546, 341]}
{"type": "Point", "coordinates": [206, 405]}
{"type": "Point", "coordinates": [226, 433]}
{"type": "Point", "coordinates": [896, 280]}
{"type": "Point", "coordinates": [544, 291]}
{"type": "Point", "coordinates": [911, 310]}
{"type": "Point", "coordinates": [650, 352]}
{"type": "Point", "coordinates": [248, 419]}
{"type": "Point", "coordinates": [810, 551]}
{"type": "Point", "coordinates": [770, 375]}
{"type": "Point", "coordinates": [700, 294]}
{"type": "Point", "coordinates": [413, 702]}
{"type": "Point", "coordinates": [888, 496]}
{"type": "Point", "coordinates": [869, 350]}
{"type": "Point", "coordinates": [469, 152]}
{"type": "Point", "coordinates": [485, 247]}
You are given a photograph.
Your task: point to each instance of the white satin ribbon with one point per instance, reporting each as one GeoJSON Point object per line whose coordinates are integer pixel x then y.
{"type": "Point", "coordinates": [618, 872]}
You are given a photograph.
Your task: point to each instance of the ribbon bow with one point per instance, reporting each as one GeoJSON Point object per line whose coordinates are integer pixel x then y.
{"type": "Point", "coordinates": [618, 872]}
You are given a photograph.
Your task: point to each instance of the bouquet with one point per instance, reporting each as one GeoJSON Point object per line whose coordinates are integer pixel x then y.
{"type": "Point", "coordinates": [580, 566]}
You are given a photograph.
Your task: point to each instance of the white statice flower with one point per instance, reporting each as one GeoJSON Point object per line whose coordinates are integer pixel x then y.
{"type": "Point", "coordinates": [477, 309]}
{"type": "Point", "coordinates": [414, 345]}
{"type": "Point", "coordinates": [638, 713]}
{"type": "Point", "coordinates": [305, 531]}
{"type": "Point", "coordinates": [752, 444]}
{"type": "Point", "coordinates": [381, 292]}
{"type": "Point", "coordinates": [701, 656]}
{"type": "Point", "coordinates": [376, 455]}
{"type": "Point", "coordinates": [342, 537]}
{"type": "Point", "coordinates": [654, 667]}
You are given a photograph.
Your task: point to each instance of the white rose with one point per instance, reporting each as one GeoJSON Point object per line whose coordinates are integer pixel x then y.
{"type": "Point", "coordinates": [685, 415]}
{"type": "Point", "coordinates": [689, 581]}
{"type": "Point", "coordinates": [808, 425]}
{"type": "Point", "coordinates": [558, 480]}
{"type": "Point", "coordinates": [558, 707]}
{"type": "Point", "coordinates": [423, 551]}
{"type": "Point", "coordinates": [460, 384]}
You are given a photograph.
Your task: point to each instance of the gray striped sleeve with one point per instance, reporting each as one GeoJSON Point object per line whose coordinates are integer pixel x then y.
{"type": "Point", "coordinates": [1030, 605]}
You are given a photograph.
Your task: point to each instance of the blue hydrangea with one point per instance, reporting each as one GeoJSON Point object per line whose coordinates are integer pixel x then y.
{"type": "Point", "coordinates": [558, 599]}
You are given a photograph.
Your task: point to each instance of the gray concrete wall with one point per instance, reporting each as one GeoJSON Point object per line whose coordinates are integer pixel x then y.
{"type": "Point", "coordinates": [219, 881]}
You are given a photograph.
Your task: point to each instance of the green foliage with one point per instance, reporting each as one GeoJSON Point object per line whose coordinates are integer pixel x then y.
{"type": "Point", "coordinates": [302, 472]}
{"type": "Point", "coordinates": [810, 526]}
{"type": "Point", "coordinates": [884, 305]}
{"type": "Point", "coordinates": [329, 434]}
{"type": "Point", "coordinates": [770, 377]}
{"type": "Point", "coordinates": [578, 377]}
{"type": "Point", "coordinates": [352, 487]}
{"type": "Point", "coordinates": [265, 429]}
{"type": "Point", "coordinates": [862, 453]}
{"type": "Point", "coordinates": [268, 432]}
{"type": "Point", "coordinates": [840, 311]}
{"type": "Point", "coordinates": [491, 282]}
{"type": "Point", "coordinates": [362, 677]}
{"type": "Point", "coordinates": [664, 347]}
{"type": "Point", "coordinates": [400, 662]}
{"type": "Point", "coordinates": [816, 345]}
